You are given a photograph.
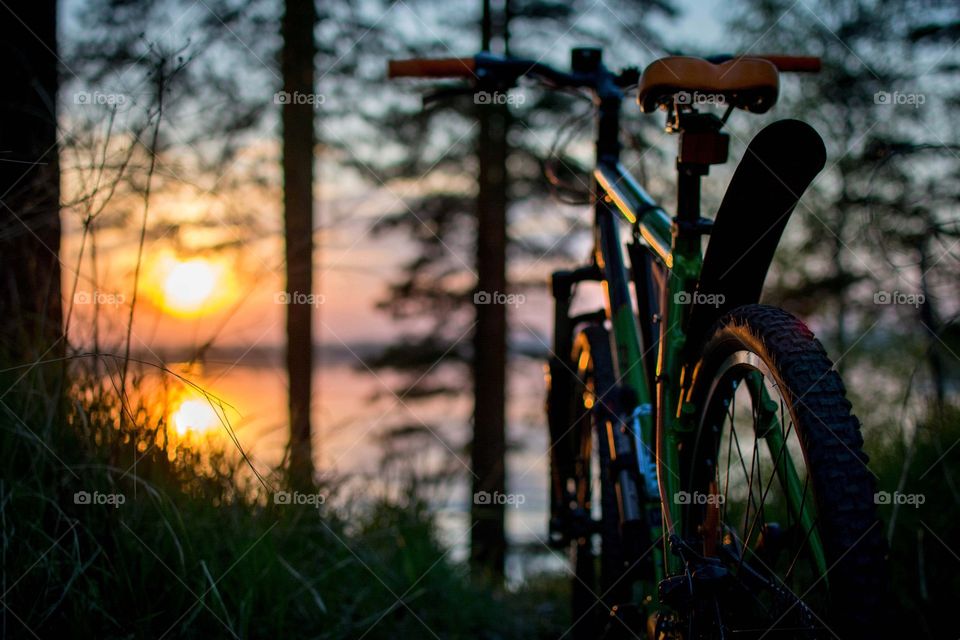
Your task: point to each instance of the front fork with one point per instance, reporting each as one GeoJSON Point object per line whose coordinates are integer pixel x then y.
{"type": "Point", "coordinates": [631, 433]}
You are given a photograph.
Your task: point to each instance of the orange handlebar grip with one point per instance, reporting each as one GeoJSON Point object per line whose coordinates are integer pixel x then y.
{"type": "Point", "coordinates": [432, 68]}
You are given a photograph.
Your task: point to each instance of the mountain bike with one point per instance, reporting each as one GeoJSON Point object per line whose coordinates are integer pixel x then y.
{"type": "Point", "coordinates": [707, 474]}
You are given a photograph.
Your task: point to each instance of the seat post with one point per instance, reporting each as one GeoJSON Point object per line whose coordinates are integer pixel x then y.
{"type": "Point", "coordinates": [688, 190]}
{"type": "Point", "coordinates": [701, 145]}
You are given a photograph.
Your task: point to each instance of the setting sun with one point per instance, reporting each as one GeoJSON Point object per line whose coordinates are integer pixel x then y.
{"type": "Point", "coordinates": [189, 285]}
{"type": "Point", "coordinates": [194, 415]}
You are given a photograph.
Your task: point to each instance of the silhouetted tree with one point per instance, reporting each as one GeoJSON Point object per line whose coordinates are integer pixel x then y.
{"type": "Point", "coordinates": [488, 543]}
{"type": "Point", "coordinates": [30, 300]}
{"type": "Point", "coordinates": [297, 64]}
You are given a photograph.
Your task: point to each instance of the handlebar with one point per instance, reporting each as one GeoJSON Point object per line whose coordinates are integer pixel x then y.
{"type": "Point", "coordinates": [432, 68]}
{"type": "Point", "coordinates": [485, 65]}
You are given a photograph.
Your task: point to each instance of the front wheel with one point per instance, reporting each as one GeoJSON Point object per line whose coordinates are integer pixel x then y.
{"type": "Point", "coordinates": [776, 488]}
{"type": "Point", "coordinates": [590, 509]}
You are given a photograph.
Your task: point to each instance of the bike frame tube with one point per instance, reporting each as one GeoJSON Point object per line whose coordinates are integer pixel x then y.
{"type": "Point", "coordinates": [618, 190]}
{"type": "Point", "coordinates": [636, 206]}
{"type": "Point", "coordinates": [628, 359]}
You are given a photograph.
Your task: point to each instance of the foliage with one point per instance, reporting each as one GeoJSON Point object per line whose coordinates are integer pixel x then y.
{"type": "Point", "coordinates": [190, 552]}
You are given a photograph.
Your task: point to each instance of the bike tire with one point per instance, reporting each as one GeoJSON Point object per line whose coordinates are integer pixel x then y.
{"type": "Point", "coordinates": [830, 443]}
{"type": "Point", "coordinates": [594, 401]}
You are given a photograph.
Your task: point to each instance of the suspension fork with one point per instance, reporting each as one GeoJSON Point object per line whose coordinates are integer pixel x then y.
{"type": "Point", "coordinates": [561, 385]}
{"type": "Point", "coordinates": [631, 431]}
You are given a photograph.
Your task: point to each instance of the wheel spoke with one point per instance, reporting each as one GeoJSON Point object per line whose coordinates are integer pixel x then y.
{"type": "Point", "coordinates": [755, 484]}
{"type": "Point", "coordinates": [776, 465]}
{"type": "Point", "coordinates": [743, 464]}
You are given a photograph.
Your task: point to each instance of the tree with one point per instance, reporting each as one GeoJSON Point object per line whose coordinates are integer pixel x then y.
{"type": "Point", "coordinates": [297, 67]}
{"type": "Point", "coordinates": [488, 543]}
{"type": "Point", "coordinates": [30, 298]}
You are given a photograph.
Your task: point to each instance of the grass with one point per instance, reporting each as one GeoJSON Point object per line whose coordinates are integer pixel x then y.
{"type": "Point", "coordinates": [924, 529]}
{"type": "Point", "coordinates": [194, 552]}
{"type": "Point", "coordinates": [189, 553]}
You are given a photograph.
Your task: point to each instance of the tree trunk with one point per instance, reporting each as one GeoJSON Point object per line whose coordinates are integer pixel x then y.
{"type": "Point", "coordinates": [30, 305]}
{"type": "Point", "coordinates": [488, 538]}
{"type": "Point", "coordinates": [299, 49]}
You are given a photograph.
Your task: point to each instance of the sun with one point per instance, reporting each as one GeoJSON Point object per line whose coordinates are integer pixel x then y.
{"type": "Point", "coordinates": [191, 287]}
{"type": "Point", "coordinates": [194, 415]}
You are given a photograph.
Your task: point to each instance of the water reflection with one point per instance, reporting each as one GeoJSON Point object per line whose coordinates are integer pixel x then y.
{"type": "Point", "coordinates": [356, 423]}
{"type": "Point", "coordinates": [194, 415]}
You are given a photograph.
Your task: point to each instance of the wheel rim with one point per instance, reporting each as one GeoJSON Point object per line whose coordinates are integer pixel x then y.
{"type": "Point", "coordinates": [752, 503]}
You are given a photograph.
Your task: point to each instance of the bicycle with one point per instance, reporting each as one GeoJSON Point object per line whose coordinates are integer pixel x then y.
{"type": "Point", "coordinates": [656, 408]}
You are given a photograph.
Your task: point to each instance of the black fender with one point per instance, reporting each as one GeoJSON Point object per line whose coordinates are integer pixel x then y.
{"type": "Point", "coordinates": [779, 164]}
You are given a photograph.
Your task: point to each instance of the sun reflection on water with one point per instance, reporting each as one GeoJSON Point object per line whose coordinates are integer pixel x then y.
{"type": "Point", "coordinates": [194, 415]}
